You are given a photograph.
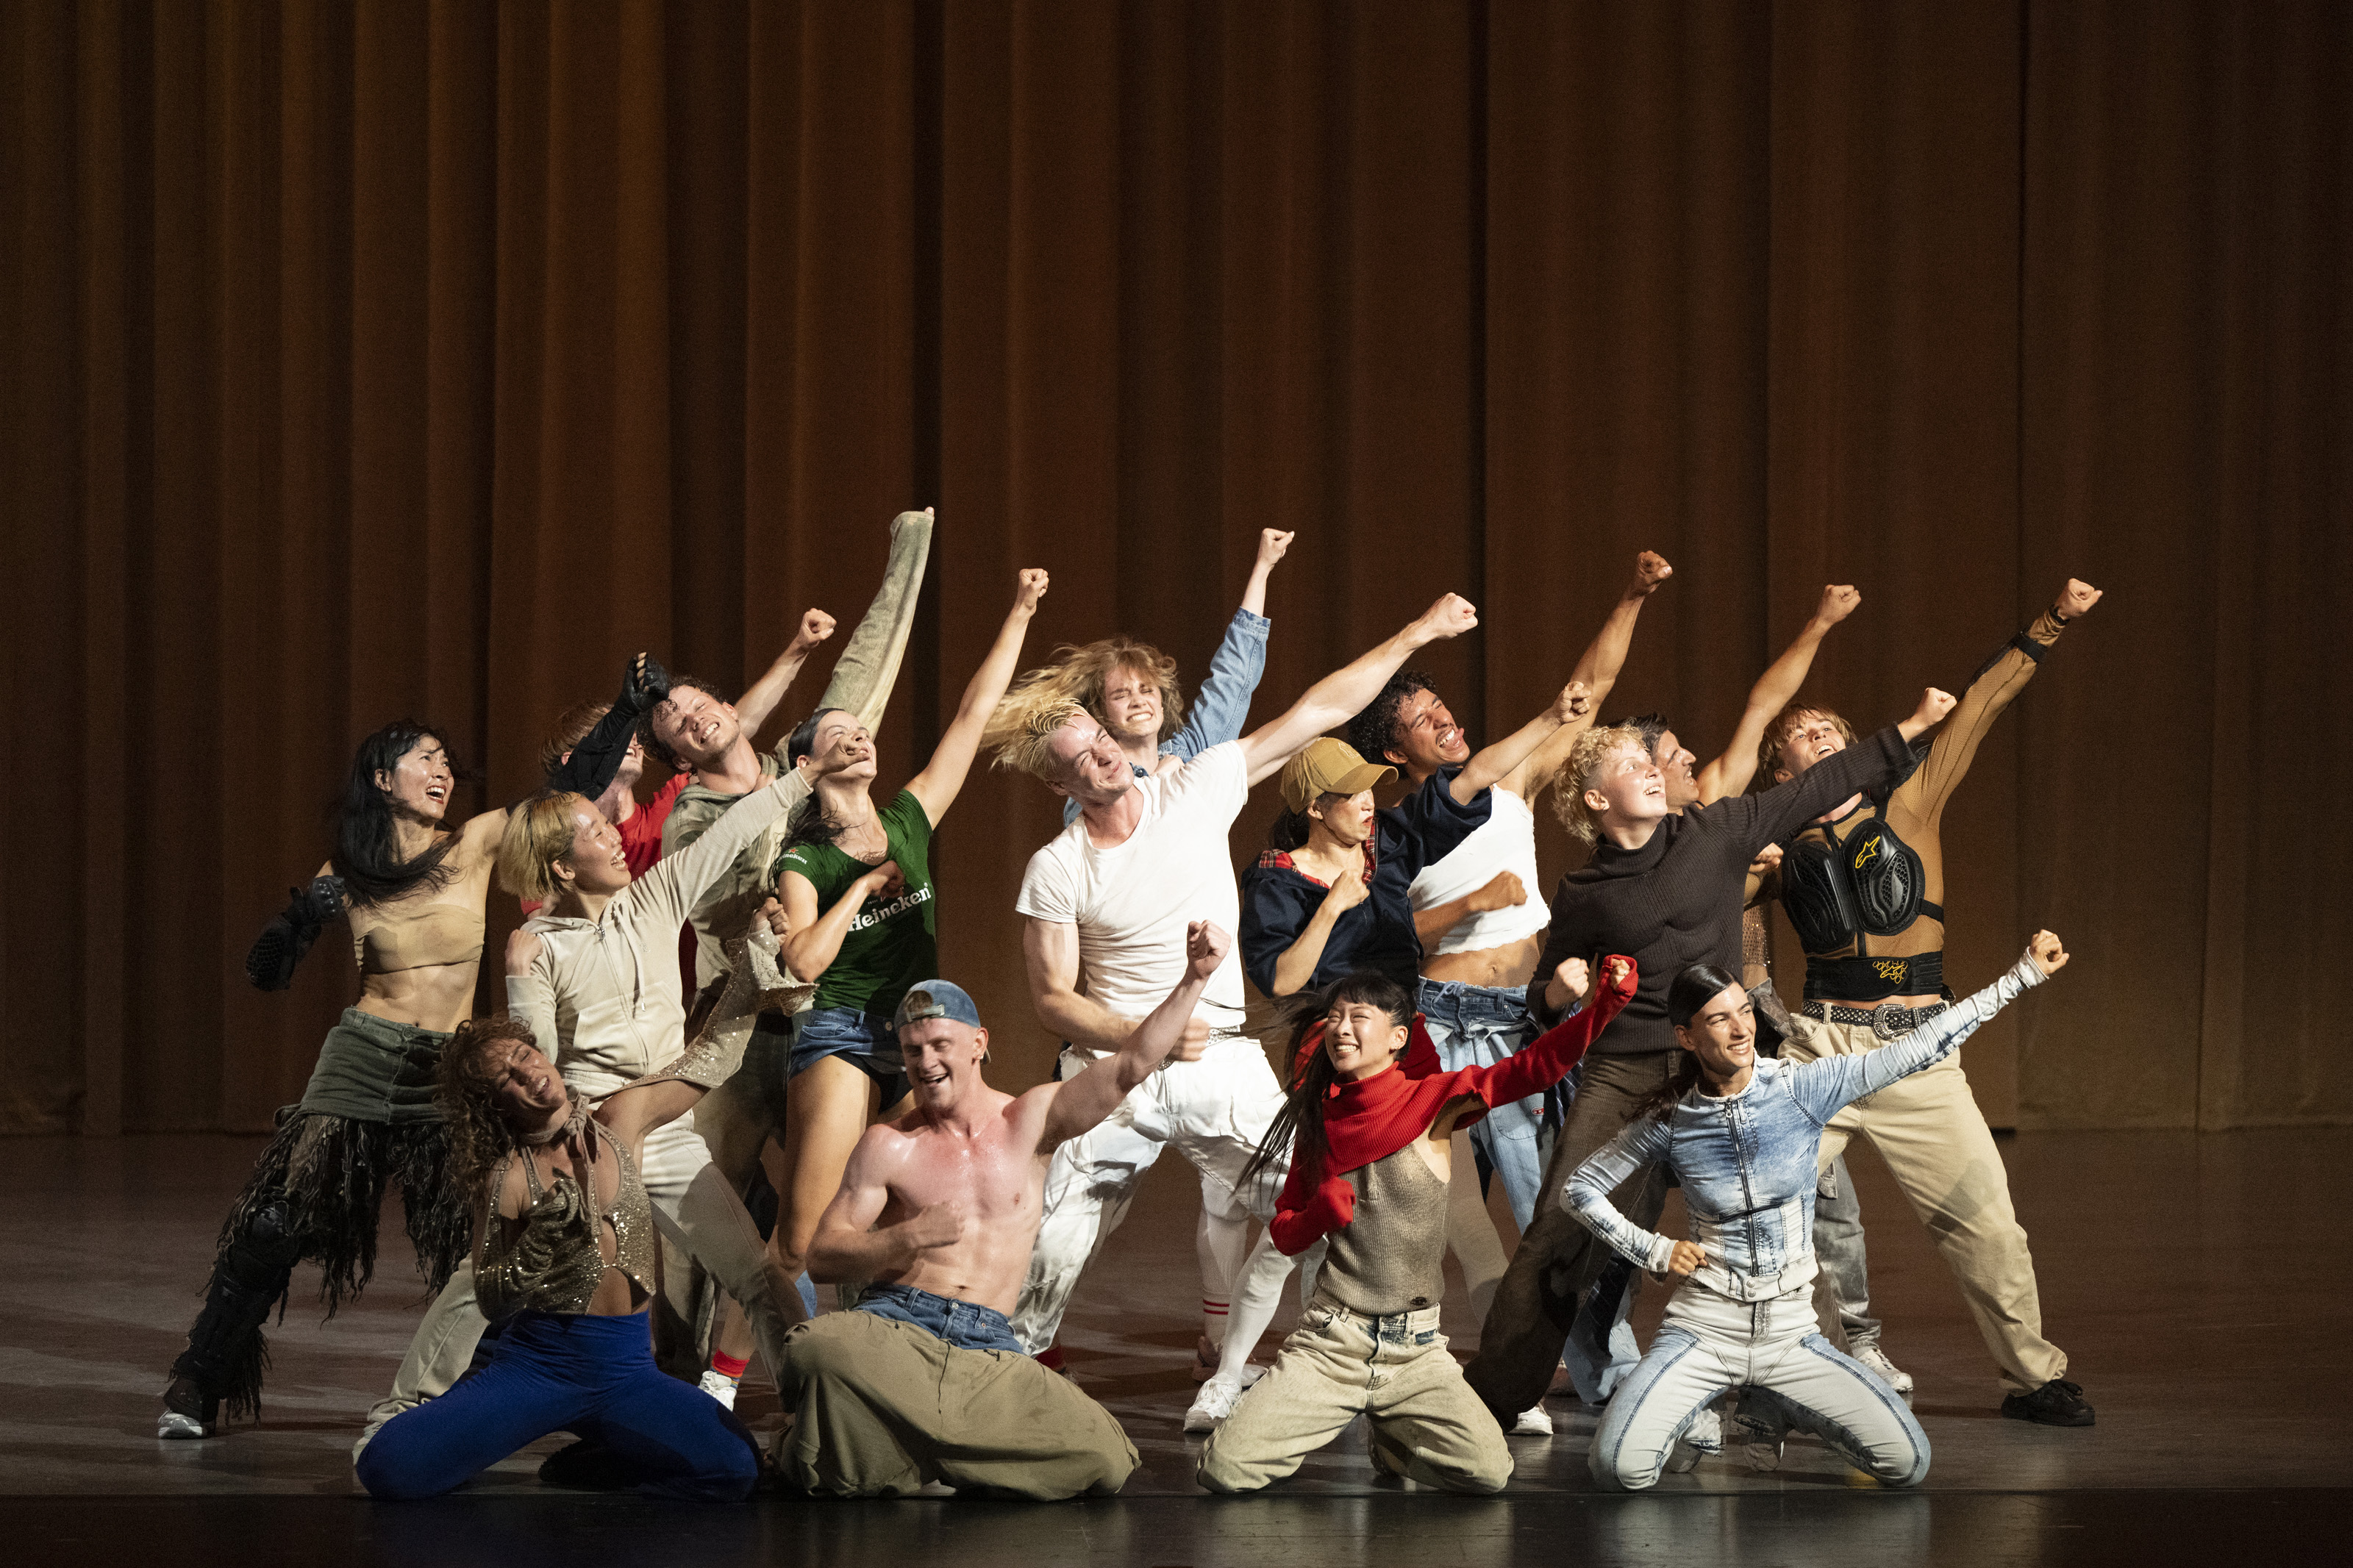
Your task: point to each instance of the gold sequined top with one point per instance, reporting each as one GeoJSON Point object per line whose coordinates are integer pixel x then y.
{"type": "Point", "coordinates": [557, 1261]}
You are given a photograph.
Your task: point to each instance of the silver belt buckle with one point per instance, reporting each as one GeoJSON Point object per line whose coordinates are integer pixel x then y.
{"type": "Point", "coordinates": [1883, 1024]}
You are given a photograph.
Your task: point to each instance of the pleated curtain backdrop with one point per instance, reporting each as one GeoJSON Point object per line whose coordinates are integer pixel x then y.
{"type": "Point", "coordinates": [423, 356]}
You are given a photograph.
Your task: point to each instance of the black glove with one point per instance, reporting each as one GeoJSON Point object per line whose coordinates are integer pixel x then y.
{"type": "Point", "coordinates": [644, 682]}
{"type": "Point", "coordinates": [290, 933]}
{"type": "Point", "coordinates": [597, 757]}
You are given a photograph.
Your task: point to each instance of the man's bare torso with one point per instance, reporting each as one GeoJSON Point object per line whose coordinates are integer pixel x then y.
{"type": "Point", "coordinates": [997, 1174]}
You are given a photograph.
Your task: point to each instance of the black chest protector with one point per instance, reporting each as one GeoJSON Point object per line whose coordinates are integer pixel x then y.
{"type": "Point", "coordinates": [1872, 885]}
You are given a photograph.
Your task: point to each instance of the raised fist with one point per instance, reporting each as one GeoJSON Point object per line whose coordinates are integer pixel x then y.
{"type": "Point", "coordinates": [1574, 977]}
{"type": "Point", "coordinates": [1651, 569]}
{"type": "Point", "coordinates": [1449, 618]}
{"type": "Point", "coordinates": [1033, 589]}
{"type": "Point", "coordinates": [2048, 956]}
{"type": "Point", "coordinates": [1617, 974]}
{"type": "Point", "coordinates": [1574, 702]}
{"type": "Point", "coordinates": [1933, 705]}
{"type": "Point", "coordinates": [1271, 544]}
{"type": "Point", "coordinates": [1839, 601]}
{"type": "Point", "coordinates": [2076, 598]}
{"type": "Point", "coordinates": [1204, 948]}
{"type": "Point", "coordinates": [1504, 892]}
{"type": "Point", "coordinates": [815, 627]}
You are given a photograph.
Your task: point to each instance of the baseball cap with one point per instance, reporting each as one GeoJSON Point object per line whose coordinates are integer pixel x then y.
{"type": "Point", "coordinates": [1329, 767]}
{"type": "Point", "coordinates": [935, 999]}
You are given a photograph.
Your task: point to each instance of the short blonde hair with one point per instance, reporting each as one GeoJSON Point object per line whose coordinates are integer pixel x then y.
{"type": "Point", "coordinates": [1593, 748]}
{"type": "Point", "coordinates": [538, 834]}
{"type": "Point", "coordinates": [1021, 731]}
{"type": "Point", "coordinates": [1787, 723]}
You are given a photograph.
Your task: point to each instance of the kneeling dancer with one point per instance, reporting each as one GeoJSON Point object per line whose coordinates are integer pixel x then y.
{"type": "Point", "coordinates": [1743, 1132]}
{"type": "Point", "coordinates": [923, 1381]}
{"type": "Point", "coordinates": [564, 1256]}
{"type": "Point", "coordinates": [1373, 1119]}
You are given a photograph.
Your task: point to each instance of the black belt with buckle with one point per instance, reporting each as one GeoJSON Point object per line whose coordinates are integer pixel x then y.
{"type": "Point", "coordinates": [1884, 1022]}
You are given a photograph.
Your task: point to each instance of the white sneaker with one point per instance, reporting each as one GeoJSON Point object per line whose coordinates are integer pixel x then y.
{"type": "Point", "coordinates": [719, 1387]}
{"type": "Point", "coordinates": [1533, 1421]}
{"type": "Point", "coordinates": [1213, 1404]}
{"type": "Point", "coordinates": [172, 1423]}
{"type": "Point", "coordinates": [1869, 1353]}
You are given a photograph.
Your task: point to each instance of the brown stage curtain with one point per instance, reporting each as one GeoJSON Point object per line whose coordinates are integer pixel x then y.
{"type": "Point", "coordinates": [414, 356]}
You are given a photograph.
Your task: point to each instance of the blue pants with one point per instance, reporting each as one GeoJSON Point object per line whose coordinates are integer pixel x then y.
{"type": "Point", "coordinates": [964, 1324]}
{"type": "Point", "coordinates": [1478, 1026]}
{"type": "Point", "coordinates": [568, 1373]}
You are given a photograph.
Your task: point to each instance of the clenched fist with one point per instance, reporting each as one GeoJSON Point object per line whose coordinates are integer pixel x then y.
{"type": "Point", "coordinates": [2048, 956]}
{"type": "Point", "coordinates": [1033, 589]}
{"type": "Point", "coordinates": [2076, 598]}
{"type": "Point", "coordinates": [1449, 618]}
{"type": "Point", "coordinates": [1839, 601]}
{"type": "Point", "coordinates": [815, 627]}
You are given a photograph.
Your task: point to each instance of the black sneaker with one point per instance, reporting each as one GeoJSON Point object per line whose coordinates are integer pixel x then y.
{"type": "Point", "coordinates": [2057, 1403]}
{"type": "Point", "coordinates": [188, 1411]}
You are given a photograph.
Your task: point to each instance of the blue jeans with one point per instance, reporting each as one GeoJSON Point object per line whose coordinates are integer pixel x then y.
{"type": "Point", "coordinates": [866, 1042]}
{"type": "Point", "coordinates": [1477, 1026]}
{"type": "Point", "coordinates": [966, 1325]}
{"type": "Point", "coordinates": [562, 1371]}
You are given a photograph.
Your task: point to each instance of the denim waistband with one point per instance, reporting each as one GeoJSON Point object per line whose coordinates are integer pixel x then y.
{"type": "Point", "coordinates": [966, 1325]}
{"type": "Point", "coordinates": [1456, 995]}
{"type": "Point", "coordinates": [1394, 1326]}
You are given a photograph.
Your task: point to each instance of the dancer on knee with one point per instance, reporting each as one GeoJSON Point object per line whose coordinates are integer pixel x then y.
{"type": "Point", "coordinates": [923, 1383]}
{"type": "Point", "coordinates": [1863, 883]}
{"type": "Point", "coordinates": [563, 1259]}
{"type": "Point", "coordinates": [1367, 1132]}
{"type": "Point", "coordinates": [1743, 1134]}
{"type": "Point", "coordinates": [1667, 889]}
{"type": "Point", "coordinates": [1130, 689]}
{"type": "Point", "coordinates": [414, 893]}
{"type": "Point", "coordinates": [588, 976]}
{"type": "Point", "coordinates": [857, 885]}
{"type": "Point", "coordinates": [1104, 906]}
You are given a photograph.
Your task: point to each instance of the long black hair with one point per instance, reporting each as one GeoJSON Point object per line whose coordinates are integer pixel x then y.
{"type": "Point", "coordinates": [1694, 988]}
{"type": "Point", "coordinates": [810, 823]}
{"type": "Point", "coordinates": [1298, 1126]}
{"type": "Point", "coordinates": [367, 847]}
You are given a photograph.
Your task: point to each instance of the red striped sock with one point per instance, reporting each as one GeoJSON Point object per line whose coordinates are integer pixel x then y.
{"type": "Point", "coordinates": [729, 1367]}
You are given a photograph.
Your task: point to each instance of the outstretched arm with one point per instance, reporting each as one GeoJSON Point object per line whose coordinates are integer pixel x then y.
{"type": "Point", "coordinates": [1545, 1060]}
{"type": "Point", "coordinates": [1507, 758]}
{"type": "Point", "coordinates": [1998, 682]}
{"type": "Point", "coordinates": [1086, 1099]}
{"type": "Point", "coordinates": [1643, 1142]}
{"type": "Point", "coordinates": [1774, 690]}
{"type": "Point", "coordinates": [1768, 819]}
{"type": "Point", "coordinates": [1337, 697]}
{"type": "Point", "coordinates": [943, 775]}
{"type": "Point", "coordinates": [597, 757]}
{"type": "Point", "coordinates": [755, 707]}
{"type": "Point", "coordinates": [1223, 702]}
{"type": "Point", "coordinates": [270, 962]}
{"type": "Point", "coordinates": [1598, 668]}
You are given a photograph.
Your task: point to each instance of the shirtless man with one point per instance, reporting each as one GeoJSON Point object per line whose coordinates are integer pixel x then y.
{"type": "Point", "coordinates": [922, 1382]}
{"type": "Point", "coordinates": [1864, 884]}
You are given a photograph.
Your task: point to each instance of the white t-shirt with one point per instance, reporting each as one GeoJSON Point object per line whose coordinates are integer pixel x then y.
{"type": "Point", "coordinates": [1506, 841]}
{"type": "Point", "coordinates": [1133, 901]}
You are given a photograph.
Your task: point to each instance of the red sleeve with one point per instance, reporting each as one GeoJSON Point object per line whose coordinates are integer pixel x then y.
{"type": "Point", "coordinates": [1302, 1217]}
{"type": "Point", "coordinates": [641, 835]}
{"type": "Point", "coordinates": [1546, 1059]}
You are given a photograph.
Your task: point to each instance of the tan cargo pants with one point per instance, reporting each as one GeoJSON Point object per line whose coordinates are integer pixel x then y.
{"type": "Point", "coordinates": [882, 1408]}
{"type": "Point", "coordinates": [1928, 1129]}
{"type": "Point", "coordinates": [1428, 1426]}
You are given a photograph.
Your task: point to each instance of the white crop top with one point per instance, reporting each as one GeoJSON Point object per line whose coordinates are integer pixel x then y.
{"type": "Point", "coordinates": [1506, 841]}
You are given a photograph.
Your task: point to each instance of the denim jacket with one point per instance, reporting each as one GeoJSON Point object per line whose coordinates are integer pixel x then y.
{"type": "Point", "coordinates": [1747, 1161]}
{"type": "Point", "coordinates": [1224, 699]}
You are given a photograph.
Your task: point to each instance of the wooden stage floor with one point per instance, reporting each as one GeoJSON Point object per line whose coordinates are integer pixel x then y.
{"type": "Point", "coordinates": [2197, 1282]}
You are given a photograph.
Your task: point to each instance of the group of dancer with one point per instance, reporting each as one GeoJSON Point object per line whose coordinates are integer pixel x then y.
{"type": "Point", "coordinates": [730, 991]}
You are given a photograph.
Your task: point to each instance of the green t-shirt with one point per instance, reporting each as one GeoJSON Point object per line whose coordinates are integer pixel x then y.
{"type": "Point", "coordinates": [892, 942]}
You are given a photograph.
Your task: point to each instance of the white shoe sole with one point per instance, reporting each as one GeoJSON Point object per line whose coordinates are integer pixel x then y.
{"type": "Point", "coordinates": [1533, 1421]}
{"type": "Point", "coordinates": [174, 1424]}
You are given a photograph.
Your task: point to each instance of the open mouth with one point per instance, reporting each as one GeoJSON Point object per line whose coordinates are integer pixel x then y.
{"type": "Point", "coordinates": [1823, 751]}
{"type": "Point", "coordinates": [936, 1078]}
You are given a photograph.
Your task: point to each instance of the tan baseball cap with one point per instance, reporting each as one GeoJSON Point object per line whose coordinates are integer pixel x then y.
{"type": "Point", "coordinates": [1329, 767]}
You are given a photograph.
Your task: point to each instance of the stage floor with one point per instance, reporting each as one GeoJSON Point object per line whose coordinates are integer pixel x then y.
{"type": "Point", "coordinates": [2197, 1283]}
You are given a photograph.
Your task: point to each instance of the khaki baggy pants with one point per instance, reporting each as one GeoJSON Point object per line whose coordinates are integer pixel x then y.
{"type": "Point", "coordinates": [882, 1407]}
{"type": "Point", "coordinates": [1928, 1129]}
{"type": "Point", "coordinates": [1428, 1426]}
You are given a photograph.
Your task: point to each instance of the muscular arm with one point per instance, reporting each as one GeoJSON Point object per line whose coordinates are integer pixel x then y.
{"type": "Point", "coordinates": [1508, 757]}
{"type": "Point", "coordinates": [937, 786]}
{"type": "Point", "coordinates": [1050, 952]}
{"type": "Point", "coordinates": [1337, 697]}
{"type": "Point", "coordinates": [1086, 1099]}
{"type": "Point", "coordinates": [755, 707]}
{"type": "Point", "coordinates": [847, 1246]}
{"type": "Point", "coordinates": [1774, 690]}
{"type": "Point", "coordinates": [1597, 670]}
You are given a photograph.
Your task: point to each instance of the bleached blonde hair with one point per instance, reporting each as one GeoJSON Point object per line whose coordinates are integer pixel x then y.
{"type": "Point", "coordinates": [1577, 775]}
{"type": "Point", "coordinates": [1021, 731]}
{"type": "Point", "coordinates": [538, 834]}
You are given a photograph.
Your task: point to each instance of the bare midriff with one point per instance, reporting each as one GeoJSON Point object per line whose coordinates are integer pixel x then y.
{"type": "Point", "coordinates": [1511, 964]}
{"type": "Point", "coordinates": [424, 995]}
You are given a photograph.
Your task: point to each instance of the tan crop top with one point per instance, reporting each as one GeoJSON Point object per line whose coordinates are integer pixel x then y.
{"type": "Point", "coordinates": [557, 1259]}
{"type": "Point", "coordinates": [435, 934]}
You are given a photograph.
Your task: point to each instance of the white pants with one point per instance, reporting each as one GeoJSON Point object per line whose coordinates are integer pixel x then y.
{"type": "Point", "coordinates": [693, 1204]}
{"type": "Point", "coordinates": [1709, 1344]}
{"type": "Point", "coordinates": [1214, 1111]}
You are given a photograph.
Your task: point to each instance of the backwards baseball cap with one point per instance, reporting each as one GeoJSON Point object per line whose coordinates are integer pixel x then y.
{"type": "Point", "coordinates": [935, 999]}
{"type": "Point", "coordinates": [1329, 767]}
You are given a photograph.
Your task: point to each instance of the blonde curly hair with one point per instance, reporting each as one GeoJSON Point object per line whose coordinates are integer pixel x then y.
{"type": "Point", "coordinates": [1041, 701]}
{"type": "Point", "coordinates": [1593, 748]}
{"type": "Point", "coordinates": [1021, 731]}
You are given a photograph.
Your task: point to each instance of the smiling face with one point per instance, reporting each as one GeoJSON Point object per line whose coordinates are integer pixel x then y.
{"type": "Point", "coordinates": [1627, 787]}
{"type": "Point", "coordinates": [1088, 767]}
{"type": "Point", "coordinates": [942, 1059]}
{"type": "Point", "coordinates": [842, 750]}
{"type": "Point", "coordinates": [1722, 1036]}
{"type": "Point", "coordinates": [1347, 819]}
{"type": "Point", "coordinates": [1427, 737]}
{"type": "Point", "coordinates": [1677, 768]}
{"type": "Point", "coordinates": [696, 725]}
{"type": "Point", "coordinates": [420, 782]}
{"type": "Point", "coordinates": [594, 863]}
{"type": "Point", "coordinates": [526, 1085]}
{"type": "Point", "coordinates": [1818, 735]}
{"type": "Point", "coordinates": [1361, 1040]}
{"type": "Point", "coordinates": [1131, 704]}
